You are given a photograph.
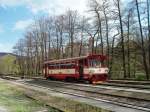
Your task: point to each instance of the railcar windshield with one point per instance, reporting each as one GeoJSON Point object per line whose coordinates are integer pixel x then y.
{"type": "Point", "coordinates": [96, 63]}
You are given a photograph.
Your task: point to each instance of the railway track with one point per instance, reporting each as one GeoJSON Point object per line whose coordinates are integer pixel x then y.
{"type": "Point", "coordinates": [141, 85]}
{"type": "Point", "coordinates": [130, 82]}
{"type": "Point", "coordinates": [95, 88]}
{"type": "Point", "coordinates": [124, 105]}
{"type": "Point", "coordinates": [96, 93]}
{"type": "Point", "coordinates": [138, 86]}
{"type": "Point", "coordinates": [100, 86]}
{"type": "Point", "coordinates": [116, 86]}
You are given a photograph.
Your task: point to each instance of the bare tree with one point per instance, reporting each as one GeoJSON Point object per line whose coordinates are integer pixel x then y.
{"type": "Point", "coordinates": [19, 51]}
{"type": "Point", "coordinates": [142, 40]}
{"type": "Point", "coordinates": [112, 54]}
{"type": "Point", "coordinates": [148, 20]}
{"type": "Point", "coordinates": [122, 36]}
{"type": "Point", "coordinates": [128, 40]}
{"type": "Point", "coordinates": [105, 11]}
{"type": "Point", "coordinates": [71, 17]}
{"type": "Point", "coordinates": [96, 8]}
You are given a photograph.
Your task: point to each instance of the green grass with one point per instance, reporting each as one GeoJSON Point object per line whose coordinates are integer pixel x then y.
{"type": "Point", "coordinates": [140, 76]}
{"type": "Point", "coordinates": [16, 101]}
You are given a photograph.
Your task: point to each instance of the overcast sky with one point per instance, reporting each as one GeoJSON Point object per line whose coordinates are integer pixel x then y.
{"type": "Point", "coordinates": [16, 15]}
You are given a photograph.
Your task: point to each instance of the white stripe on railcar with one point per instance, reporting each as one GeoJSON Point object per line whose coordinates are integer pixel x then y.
{"type": "Point", "coordinates": [95, 70]}
{"type": "Point", "coordinates": [62, 71]}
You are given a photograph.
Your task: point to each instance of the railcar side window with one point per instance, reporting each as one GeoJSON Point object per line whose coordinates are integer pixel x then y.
{"type": "Point", "coordinates": [53, 66]}
{"type": "Point", "coordinates": [63, 65]}
{"type": "Point", "coordinates": [95, 63]}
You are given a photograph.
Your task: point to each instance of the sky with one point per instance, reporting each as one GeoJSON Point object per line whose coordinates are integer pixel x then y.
{"type": "Point", "coordinates": [16, 15]}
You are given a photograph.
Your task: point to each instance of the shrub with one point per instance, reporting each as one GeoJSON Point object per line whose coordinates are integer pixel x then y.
{"type": "Point", "coordinates": [140, 76]}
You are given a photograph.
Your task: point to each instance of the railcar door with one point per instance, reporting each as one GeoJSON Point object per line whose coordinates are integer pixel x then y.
{"type": "Point", "coordinates": [81, 68]}
{"type": "Point", "coordinates": [45, 70]}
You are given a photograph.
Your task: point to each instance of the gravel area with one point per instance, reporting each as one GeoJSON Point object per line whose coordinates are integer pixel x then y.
{"type": "Point", "coordinates": [3, 109]}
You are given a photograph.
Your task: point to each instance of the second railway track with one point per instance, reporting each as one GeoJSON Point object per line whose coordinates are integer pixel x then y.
{"type": "Point", "coordinates": [130, 85]}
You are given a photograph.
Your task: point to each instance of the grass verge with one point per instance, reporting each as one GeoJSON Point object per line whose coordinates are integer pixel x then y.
{"type": "Point", "coordinates": [16, 101]}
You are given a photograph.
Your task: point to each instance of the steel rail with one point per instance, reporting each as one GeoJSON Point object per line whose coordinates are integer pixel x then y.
{"type": "Point", "coordinates": [125, 88]}
{"type": "Point", "coordinates": [93, 98]}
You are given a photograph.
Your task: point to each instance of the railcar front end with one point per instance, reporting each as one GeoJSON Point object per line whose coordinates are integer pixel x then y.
{"type": "Point", "coordinates": [96, 71]}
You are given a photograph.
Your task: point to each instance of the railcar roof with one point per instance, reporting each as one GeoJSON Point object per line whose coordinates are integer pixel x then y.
{"type": "Point", "coordinates": [67, 59]}
{"type": "Point", "coordinates": [73, 59]}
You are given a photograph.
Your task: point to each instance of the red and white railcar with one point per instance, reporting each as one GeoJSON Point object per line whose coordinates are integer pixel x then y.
{"type": "Point", "coordinates": [90, 68]}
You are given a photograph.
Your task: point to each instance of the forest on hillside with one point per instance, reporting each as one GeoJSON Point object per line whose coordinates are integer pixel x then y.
{"type": "Point", "coordinates": [8, 64]}
{"type": "Point", "coordinates": [120, 30]}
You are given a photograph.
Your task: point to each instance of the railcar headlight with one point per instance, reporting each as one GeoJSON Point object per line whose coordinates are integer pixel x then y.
{"type": "Point", "coordinates": [106, 70]}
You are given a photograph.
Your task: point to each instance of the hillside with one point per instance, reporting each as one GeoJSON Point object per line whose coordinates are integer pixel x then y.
{"type": "Point", "coordinates": [8, 63]}
{"type": "Point", "coordinates": [4, 54]}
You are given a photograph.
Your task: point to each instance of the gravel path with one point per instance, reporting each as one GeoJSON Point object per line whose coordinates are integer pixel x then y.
{"type": "Point", "coordinates": [2, 109]}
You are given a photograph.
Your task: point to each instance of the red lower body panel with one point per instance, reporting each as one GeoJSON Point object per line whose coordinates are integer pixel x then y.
{"type": "Point", "coordinates": [63, 76]}
{"type": "Point", "coordinates": [96, 77]}
{"type": "Point", "coordinates": [91, 78]}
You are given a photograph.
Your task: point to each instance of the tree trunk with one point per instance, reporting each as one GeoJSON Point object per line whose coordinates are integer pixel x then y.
{"type": "Point", "coordinates": [148, 19]}
{"type": "Point", "coordinates": [122, 39]}
{"type": "Point", "coordinates": [107, 38]}
{"type": "Point", "coordinates": [142, 39]}
{"type": "Point", "coordinates": [128, 36]}
{"type": "Point", "coordinates": [49, 45]}
{"type": "Point", "coordinates": [112, 55]}
{"type": "Point", "coordinates": [100, 31]}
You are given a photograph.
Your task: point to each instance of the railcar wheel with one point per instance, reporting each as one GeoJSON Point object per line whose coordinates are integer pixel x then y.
{"type": "Point", "coordinates": [69, 79]}
{"type": "Point", "coordinates": [49, 78]}
{"type": "Point", "coordinates": [92, 80]}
